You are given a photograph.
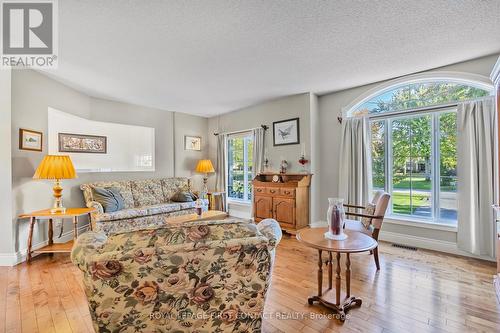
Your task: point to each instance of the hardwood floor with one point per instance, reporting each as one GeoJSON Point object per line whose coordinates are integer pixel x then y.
{"type": "Point", "coordinates": [418, 291]}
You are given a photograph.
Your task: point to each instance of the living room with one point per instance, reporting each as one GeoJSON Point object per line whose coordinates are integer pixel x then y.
{"type": "Point", "coordinates": [250, 166]}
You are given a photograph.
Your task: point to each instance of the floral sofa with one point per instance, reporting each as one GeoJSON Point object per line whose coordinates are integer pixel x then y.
{"type": "Point", "coordinates": [147, 203]}
{"type": "Point", "coordinates": [205, 276]}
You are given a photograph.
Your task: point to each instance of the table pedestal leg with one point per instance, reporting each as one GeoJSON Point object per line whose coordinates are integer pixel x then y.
{"type": "Point", "coordinates": [30, 238]}
{"type": "Point", "coordinates": [75, 227]}
{"type": "Point", "coordinates": [340, 306]}
{"type": "Point", "coordinates": [330, 269]}
{"type": "Point", "coordinates": [311, 299]}
{"type": "Point", "coordinates": [51, 234]}
{"type": "Point", "coordinates": [90, 221]}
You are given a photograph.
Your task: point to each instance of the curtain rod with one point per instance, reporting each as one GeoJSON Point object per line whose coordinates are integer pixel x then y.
{"type": "Point", "coordinates": [265, 127]}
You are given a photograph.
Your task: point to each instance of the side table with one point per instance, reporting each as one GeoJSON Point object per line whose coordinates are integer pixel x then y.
{"type": "Point", "coordinates": [73, 213]}
{"type": "Point", "coordinates": [356, 242]}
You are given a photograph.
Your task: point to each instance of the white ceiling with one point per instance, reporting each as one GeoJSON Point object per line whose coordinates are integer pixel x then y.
{"type": "Point", "coordinates": [208, 57]}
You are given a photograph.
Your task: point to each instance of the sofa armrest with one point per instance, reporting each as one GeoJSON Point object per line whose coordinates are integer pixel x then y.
{"type": "Point", "coordinates": [96, 205]}
{"type": "Point", "coordinates": [85, 246]}
{"type": "Point", "coordinates": [271, 229]}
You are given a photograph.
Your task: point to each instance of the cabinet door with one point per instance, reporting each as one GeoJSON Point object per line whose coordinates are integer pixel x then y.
{"type": "Point", "coordinates": [263, 207]}
{"type": "Point", "coordinates": [284, 210]}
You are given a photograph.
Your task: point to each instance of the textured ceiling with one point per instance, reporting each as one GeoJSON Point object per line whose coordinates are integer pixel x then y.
{"type": "Point", "coordinates": [210, 57]}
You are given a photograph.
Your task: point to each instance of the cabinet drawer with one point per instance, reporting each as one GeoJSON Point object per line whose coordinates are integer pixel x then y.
{"type": "Point", "coordinates": [259, 190]}
{"type": "Point", "coordinates": [273, 191]}
{"type": "Point", "coordinates": [287, 192]}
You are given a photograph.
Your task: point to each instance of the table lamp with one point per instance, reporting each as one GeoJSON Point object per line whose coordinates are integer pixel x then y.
{"type": "Point", "coordinates": [56, 167]}
{"type": "Point", "coordinates": [205, 167]}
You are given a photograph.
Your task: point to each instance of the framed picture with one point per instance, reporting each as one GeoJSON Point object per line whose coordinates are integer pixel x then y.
{"type": "Point", "coordinates": [286, 132]}
{"type": "Point", "coordinates": [192, 142]}
{"type": "Point", "coordinates": [30, 140]}
{"type": "Point", "coordinates": [81, 143]}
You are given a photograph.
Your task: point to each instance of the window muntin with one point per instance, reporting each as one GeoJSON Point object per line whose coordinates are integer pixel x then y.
{"type": "Point", "coordinates": [447, 123]}
{"type": "Point", "coordinates": [418, 95]}
{"type": "Point", "coordinates": [239, 167]}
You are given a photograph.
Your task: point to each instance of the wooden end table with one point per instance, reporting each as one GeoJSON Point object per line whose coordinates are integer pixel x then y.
{"type": "Point", "coordinates": [73, 213]}
{"type": "Point", "coordinates": [355, 242]}
{"type": "Point", "coordinates": [205, 216]}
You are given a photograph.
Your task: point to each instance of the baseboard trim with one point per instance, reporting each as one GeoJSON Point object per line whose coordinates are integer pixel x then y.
{"type": "Point", "coordinates": [427, 243]}
{"type": "Point", "coordinates": [12, 259]}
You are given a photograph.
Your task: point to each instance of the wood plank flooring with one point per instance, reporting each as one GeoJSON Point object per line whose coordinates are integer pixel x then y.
{"type": "Point", "coordinates": [420, 291]}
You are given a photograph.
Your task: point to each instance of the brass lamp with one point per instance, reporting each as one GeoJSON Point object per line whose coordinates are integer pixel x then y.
{"type": "Point", "coordinates": [205, 167]}
{"type": "Point", "coordinates": [56, 167]}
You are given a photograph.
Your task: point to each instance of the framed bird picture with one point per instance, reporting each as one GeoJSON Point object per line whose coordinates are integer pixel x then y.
{"type": "Point", "coordinates": [286, 132]}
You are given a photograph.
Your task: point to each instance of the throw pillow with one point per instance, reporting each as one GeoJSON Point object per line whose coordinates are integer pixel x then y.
{"type": "Point", "coordinates": [182, 196]}
{"type": "Point", "coordinates": [110, 198]}
{"type": "Point", "coordinates": [369, 210]}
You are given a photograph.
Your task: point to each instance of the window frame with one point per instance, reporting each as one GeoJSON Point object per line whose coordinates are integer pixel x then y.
{"type": "Point", "coordinates": [434, 112]}
{"type": "Point", "coordinates": [246, 136]}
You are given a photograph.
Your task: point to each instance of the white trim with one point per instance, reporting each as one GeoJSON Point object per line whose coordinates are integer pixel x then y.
{"type": "Point", "coordinates": [475, 80]}
{"type": "Point", "coordinates": [12, 259]}
{"type": "Point", "coordinates": [236, 202]}
{"type": "Point", "coordinates": [495, 73]}
{"type": "Point", "coordinates": [419, 224]}
{"type": "Point", "coordinates": [240, 210]}
{"type": "Point", "coordinates": [427, 243]}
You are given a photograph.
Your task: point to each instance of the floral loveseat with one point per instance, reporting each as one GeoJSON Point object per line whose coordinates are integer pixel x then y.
{"type": "Point", "coordinates": [206, 276]}
{"type": "Point", "coordinates": [147, 203]}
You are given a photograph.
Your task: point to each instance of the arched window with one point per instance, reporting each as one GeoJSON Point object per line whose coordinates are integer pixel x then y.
{"type": "Point", "coordinates": [414, 144]}
{"type": "Point", "coordinates": [418, 95]}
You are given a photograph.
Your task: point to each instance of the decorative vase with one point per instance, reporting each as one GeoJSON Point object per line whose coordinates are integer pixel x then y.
{"type": "Point", "coordinates": [335, 217]}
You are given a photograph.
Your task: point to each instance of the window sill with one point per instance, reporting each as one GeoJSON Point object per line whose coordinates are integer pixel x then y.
{"type": "Point", "coordinates": [417, 223]}
{"type": "Point", "coordinates": [239, 202]}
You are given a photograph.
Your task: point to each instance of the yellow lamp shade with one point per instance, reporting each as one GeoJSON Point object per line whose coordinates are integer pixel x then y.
{"type": "Point", "coordinates": [55, 167]}
{"type": "Point", "coordinates": [204, 166]}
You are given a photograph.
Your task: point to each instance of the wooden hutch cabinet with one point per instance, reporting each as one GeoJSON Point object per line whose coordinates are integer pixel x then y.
{"type": "Point", "coordinates": [287, 201]}
{"type": "Point", "coordinates": [495, 77]}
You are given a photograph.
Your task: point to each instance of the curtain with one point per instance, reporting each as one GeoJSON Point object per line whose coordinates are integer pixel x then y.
{"type": "Point", "coordinates": [258, 150]}
{"type": "Point", "coordinates": [477, 176]}
{"type": "Point", "coordinates": [220, 170]}
{"type": "Point", "coordinates": [355, 162]}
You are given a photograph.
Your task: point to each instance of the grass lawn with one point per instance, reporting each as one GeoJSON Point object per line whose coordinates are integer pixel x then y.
{"type": "Point", "coordinates": [401, 202]}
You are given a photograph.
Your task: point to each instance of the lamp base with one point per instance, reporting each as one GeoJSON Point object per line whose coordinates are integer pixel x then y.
{"type": "Point", "coordinates": [204, 191]}
{"type": "Point", "coordinates": [58, 207]}
{"type": "Point", "coordinates": [58, 210]}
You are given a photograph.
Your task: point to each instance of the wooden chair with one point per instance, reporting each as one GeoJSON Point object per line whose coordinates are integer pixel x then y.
{"type": "Point", "coordinates": [381, 201]}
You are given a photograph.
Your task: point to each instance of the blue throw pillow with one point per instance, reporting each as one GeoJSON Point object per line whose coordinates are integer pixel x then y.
{"type": "Point", "coordinates": [110, 198]}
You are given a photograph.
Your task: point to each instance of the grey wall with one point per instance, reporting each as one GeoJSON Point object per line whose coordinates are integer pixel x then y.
{"type": "Point", "coordinates": [266, 113]}
{"type": "Point", "coordinates": [33, 93]}
{"type": "Point", "coordinates": [186, 160]}
{"type": "Point", "coordinates": [329, 107]}
{"type": "Point", "coordinates": [6, 239]}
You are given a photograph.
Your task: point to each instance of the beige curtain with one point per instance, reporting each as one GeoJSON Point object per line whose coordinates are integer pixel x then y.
{"type": "Point", "coordinates": [220, 170]}
{"type": "Point", "coordinates": [477, 176]}
{"type": "Point", "coordinates": [258, 150]}
{"type": "Point", "coordinates": [355, 162]}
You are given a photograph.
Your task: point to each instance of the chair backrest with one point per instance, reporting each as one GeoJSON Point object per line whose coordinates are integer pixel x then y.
{"type": "Point", "coordinates": [376, 196]}
{"type": "Point", "coordinates": [380, 208]}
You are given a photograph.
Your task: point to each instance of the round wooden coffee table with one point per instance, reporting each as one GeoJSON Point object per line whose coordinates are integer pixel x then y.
{"type": "Point", "coordinates": [355, 242]}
